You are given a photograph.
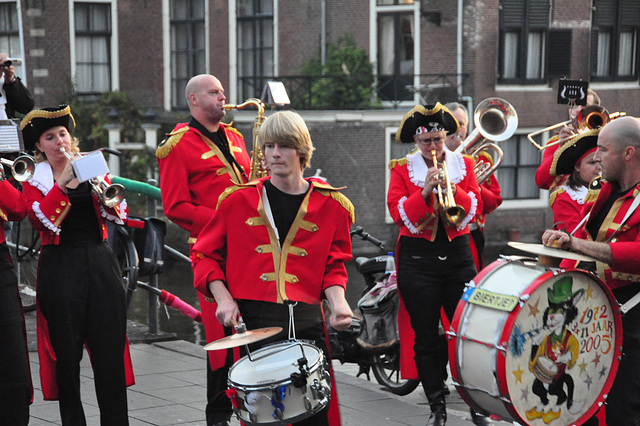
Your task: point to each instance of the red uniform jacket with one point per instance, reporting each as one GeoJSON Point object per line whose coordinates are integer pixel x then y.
{"type": "Point", "coordinates": [13, 205]}
{"type": "Point", "coordinates": [625, 245]}
{"type": "Point", "coordinates": [567, 204]}
{"type": "Point", "coordinates": [193, 174]}
{"type": "Point", "coordinates": [48, 206]}
{"type": "Point", "coordinates": [489, 192]}
{"type": "Point", "coordinates": [418, 218]}
{"type": "Point", "coordinates": [312, 256]}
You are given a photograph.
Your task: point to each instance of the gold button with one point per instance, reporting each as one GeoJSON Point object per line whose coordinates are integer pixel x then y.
{"type": "Point", "coordinates": [58, 210]}
{"type": "Point", "coordinates": [294, 280]}
{"type": "Point", "coordinates": [63, 203]}
{"type": "Point", "coordinates": [619, 276]}
{"type": "Point", "coordinates": [264, 277]}
{"type": "Point", "coordinates": [303, 253]}
{"type": "Point", "coordinates": [314, 228]}
{"type": "Point", "coordinates": [614, 240]}
{"type": "Point", "coordinates": [259, 249]}
{"type": "Point", "coordinates": [249, 222]}
{"type": "Point", "coordinates": [52, 218]}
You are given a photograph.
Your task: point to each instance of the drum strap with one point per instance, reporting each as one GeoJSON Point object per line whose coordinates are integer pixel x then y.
{"type": "Point", "coordinates": [630, 304]}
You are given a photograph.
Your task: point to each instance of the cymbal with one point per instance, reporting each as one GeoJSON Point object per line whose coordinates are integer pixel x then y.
{"type": "Point", "coordinates": [547, 251]}
{"type": "Point", "coordinates": [240, 339]}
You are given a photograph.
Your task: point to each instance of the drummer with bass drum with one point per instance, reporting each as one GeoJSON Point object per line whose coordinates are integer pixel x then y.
{"type": "Point", "coordinates": [278, 241]}
{"type": "Point", "coordinates": [611, 236]}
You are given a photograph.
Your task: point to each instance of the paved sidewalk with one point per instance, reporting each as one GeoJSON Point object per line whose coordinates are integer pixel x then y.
{"type": "Point", "coordinates": [170, 389]}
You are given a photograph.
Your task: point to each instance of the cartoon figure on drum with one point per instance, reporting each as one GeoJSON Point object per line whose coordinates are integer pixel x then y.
{"type": "Point", "coordinates": [275, 240]}
{"type": "Point", "coordinates": [555, 351]}
{"type": "Point", "coordinates": [611, 235]}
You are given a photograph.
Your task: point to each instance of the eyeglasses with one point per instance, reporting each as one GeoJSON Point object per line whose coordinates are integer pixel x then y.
{"type": "Point", "coordinates": [435, 141]}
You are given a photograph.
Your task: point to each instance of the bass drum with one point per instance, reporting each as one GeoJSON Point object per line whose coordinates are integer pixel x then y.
{"type": "Point", "coordinates": [535, 345]}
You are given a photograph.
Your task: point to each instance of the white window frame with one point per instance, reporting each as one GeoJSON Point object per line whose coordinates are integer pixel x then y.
{"type": "Point", "coordinates": [20, 71]}
{"type": "Point", "coordinates": [232, 86]}
{"type": "Point", "coordinates": [374, 9]}
{"type": "Point", "coordinates": [115, 60]}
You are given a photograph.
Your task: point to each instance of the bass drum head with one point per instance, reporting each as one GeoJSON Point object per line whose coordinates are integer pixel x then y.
{"type": "Point", "coordinates": [562, 349]}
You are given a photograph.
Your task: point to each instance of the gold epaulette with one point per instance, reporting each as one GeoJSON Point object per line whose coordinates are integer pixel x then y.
{"type": "Point", "coordinates": [594, 189]}
{"type": "Point", "coordinates": [554, 194]}
{"type": "Point", "coordinates": [228, 127]}
{"type": "Point", "coordinates": [326, 190]}
{"type": "Point", "coordinates": [486, 156]}
{"type": "Point", "coordinates": [169, 143]}
{"type": "Point", "coordinates": [468, 156]}
{"type": "Point", "coordinates": [3, 215]}
{"type": "Point", "coordinates": [231, 189]}
{"type": "Point", "coordinates": [398, 162]}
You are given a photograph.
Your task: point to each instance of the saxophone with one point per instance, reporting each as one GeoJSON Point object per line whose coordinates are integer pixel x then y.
{"type": "Point", "coordinates": [257, 168]}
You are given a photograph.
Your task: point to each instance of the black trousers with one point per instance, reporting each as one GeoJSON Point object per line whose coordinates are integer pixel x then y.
{"type": "Point", "coordinates": [308, 325]}
{"type": "Point", "coordinates": [432, 276]}
{"type": "Point", "coordinates": [15, 375]}
{"type": "Point", "coordinates": [80, 294]}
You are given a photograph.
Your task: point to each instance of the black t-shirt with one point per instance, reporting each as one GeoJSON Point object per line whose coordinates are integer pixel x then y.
{"type": "Point", "coordinates": [284, 208]}
{"type": "Point", "coordinates": [80, 226]}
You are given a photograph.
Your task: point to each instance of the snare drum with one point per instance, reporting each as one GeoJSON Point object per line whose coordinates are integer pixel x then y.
{"type": "Point", "coordinates": [267, 388]}
{"type": "Point", "coordinates": [535, 345]}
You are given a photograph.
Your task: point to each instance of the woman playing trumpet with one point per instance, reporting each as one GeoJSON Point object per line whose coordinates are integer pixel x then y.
{"type": "Point", "coordinates": [434, 255]}
{"type": "Point", "coordinates": [80, 299]}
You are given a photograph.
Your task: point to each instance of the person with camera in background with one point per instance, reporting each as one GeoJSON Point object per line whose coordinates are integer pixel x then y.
{"type": "Point", "coordinates": [14, 96]}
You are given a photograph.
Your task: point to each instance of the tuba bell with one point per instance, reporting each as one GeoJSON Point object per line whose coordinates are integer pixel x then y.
{"type": "Point", "coordinates": [495, 120]}
{"type": "Point", "coordinates": [257, 168]}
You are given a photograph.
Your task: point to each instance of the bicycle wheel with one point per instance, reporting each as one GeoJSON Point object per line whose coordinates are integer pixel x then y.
{"type": "Point", "coordinates": [125, 251]}
{"type": "Point", "coordinates": [386, 369]}
{"type": "Point", "coordinates": [24, 246]}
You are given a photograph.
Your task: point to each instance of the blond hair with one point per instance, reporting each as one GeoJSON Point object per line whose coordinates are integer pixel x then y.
{"type": "Point", "coordinates": [288, 128]}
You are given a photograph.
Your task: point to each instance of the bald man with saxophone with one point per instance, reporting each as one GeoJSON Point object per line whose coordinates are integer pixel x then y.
{"type": "Point", "coordinates": [197, 162]}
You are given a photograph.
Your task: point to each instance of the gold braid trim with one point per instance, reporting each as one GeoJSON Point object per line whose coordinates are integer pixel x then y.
{"type": "Point", "coordinates": [341, 199]}
{"type": "Point", "coordinates": [400, 162]}
{"type": "Point", "coordinates": [228, 128]}
{"type": "Point", "coordinates": [231, 189]}
{"type": "Point", "coordinates": [165, 147]}
{"type": "Point", "coordinates": [554, 194]}
{"type": "Point", "coordinates": [39, 113]}
{"type": "Point", "coordinates": [3, 215]}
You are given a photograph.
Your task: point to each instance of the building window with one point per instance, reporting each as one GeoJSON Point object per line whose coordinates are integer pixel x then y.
{"type": "Point", "coordinates": [518, 169]}
{"type": "Point", "coordinates": [187, 46]}
{"type": "Point", "coordinates": [93, 47]}
{"type": "Point", "coordinates": [255, 46]}
{"type": "Point", "coordinates": [615, 37]}
{"type": "Point", "coordinates": [396, 39]}
{"type": "Point", "coordinates": [10, 33]}
{"type": "Point", "coordinates": [524, 27]}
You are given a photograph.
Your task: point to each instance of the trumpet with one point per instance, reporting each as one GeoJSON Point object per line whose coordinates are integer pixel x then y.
{"type": "Point", "coordinates": [452, 213]}
{"type": "Point", "coordinates": [257, 168]}
{"type": "Point", "coordinates": [495, 120]}
{"type": "Point", "coordinates": [589, 117]}
{"type": "Point", "coordinates": [110, 195]}
{"type": "Point", "coordinates": [22, 167]}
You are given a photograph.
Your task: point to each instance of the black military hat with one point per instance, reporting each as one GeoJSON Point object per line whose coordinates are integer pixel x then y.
{"type": "Point", "coordinates": [573, 151]}
{"type": "Point", "coordinates": [424, 119]}
{"type": "Point", "coordinates": [39, 121]}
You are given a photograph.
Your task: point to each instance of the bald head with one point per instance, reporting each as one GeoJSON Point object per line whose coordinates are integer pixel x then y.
{"type": "Point", "coordinates": [205, 97]}
{"type": "Point", "coordinates": [623, 132]}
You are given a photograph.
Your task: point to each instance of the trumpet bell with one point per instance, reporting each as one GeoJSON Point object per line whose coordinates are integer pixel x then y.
{"type": "Point", "coordinates": [23, 168]}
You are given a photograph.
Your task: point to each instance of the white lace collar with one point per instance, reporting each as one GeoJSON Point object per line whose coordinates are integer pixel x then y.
{"type": "Point", "coordinates": [577, 195]}
{"type": "Point", "coordinates": [417, 167]}
{"type": "Point", "coordinates": [43, 178]}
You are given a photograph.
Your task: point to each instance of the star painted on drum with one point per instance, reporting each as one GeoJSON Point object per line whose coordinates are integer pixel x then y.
{"type": "Point", "coordinates": [533, 309]}
{"type": "Point", "coordinates": [603, 371]}
{"type": "Point", "coordinates": [582, 366]}
{"type": "Point", "coordinates": [518, 374]}
{"type": "Point", "coordinates": [588, 382]}
{"type": "Point", "coordinates": [525, 394]}
{"type": "Point", "coordinates": [589, 293]}
{"type": "Point", "coordinates": [596, 359]}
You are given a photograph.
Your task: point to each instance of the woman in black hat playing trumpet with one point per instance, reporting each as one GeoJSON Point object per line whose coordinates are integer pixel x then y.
{"type": "Point", "coordinates": [80, 299]}
{"type": "Point", "coordinates": [434, 255]}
